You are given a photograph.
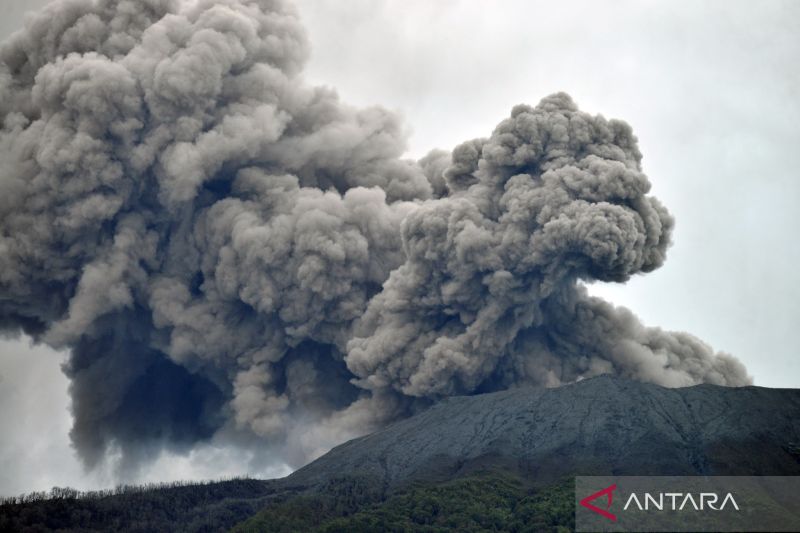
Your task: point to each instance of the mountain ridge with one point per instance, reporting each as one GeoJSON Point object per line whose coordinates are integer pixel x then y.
{"type": "Point", "coordinates": [497, 461]}
{"type": "Point", "coordinates": [601, 425]}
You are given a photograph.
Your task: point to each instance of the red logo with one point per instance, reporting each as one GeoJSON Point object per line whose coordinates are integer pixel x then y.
{"type": "Point", "coordinates": [608, 491]}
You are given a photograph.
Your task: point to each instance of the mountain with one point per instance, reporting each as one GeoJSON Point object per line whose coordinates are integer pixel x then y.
{"type": "Point", "coordinates": [501, 461]}
{"type": "Point", "coordinates": [598, 426]}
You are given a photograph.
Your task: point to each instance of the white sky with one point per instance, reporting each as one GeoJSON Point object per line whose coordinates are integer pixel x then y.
{"type": "Point", "coordinates": [712, 90]}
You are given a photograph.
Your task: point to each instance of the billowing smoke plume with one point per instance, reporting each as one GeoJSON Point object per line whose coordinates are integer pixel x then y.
{"type": "Point", "coordinates": [229, 251]}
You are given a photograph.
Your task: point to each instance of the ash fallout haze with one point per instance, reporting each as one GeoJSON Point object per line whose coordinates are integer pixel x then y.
{"type": "Point", "coordinates": [241, 267]}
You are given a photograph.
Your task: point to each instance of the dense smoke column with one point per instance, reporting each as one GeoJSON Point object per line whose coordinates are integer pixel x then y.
{"type": "Point", "coordinates": [195, 223]}
{"type": "Point", "coordinates": [227, 251]}
{"type": "Point", "coordinates": [488, 295]}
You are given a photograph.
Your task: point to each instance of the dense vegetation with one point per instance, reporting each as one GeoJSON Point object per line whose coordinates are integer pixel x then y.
{"type": "Point", "coordinates": [154, 508]}
{"type": "Point", "coordinates": [487, 502]}
{"type": "Point", "coordinates": [483, 502]}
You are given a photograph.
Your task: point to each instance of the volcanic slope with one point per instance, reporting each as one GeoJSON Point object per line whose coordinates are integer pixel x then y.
{"type": "Point", "coordinates": [598, 426]}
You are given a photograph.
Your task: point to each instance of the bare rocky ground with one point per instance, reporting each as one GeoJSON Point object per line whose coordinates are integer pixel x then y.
{"type": "Point", "coordinates": [604, 425]}
{"type": "Point", "coordinates": [457, 448]}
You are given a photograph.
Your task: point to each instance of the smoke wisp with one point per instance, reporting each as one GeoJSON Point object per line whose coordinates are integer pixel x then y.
{"type": "Point", "coordinates": [231, 253]}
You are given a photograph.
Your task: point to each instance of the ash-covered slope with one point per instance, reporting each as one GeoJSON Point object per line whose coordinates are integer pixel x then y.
{"type": "Point", "coordinates": [604, 425]}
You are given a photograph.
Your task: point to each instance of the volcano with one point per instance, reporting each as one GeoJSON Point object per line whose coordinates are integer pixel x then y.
{"type": "Point", "coordinates": [605, 425]}
{"type": "Point", "coordinates": [503, 460]}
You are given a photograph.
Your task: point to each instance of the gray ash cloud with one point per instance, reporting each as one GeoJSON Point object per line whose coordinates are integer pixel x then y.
{"type": "Point", "coordinates": [228, 251]}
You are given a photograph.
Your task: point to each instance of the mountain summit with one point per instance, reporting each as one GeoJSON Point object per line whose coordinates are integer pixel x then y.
{"type": "Point", "coordinates": [501, 461]}
{"type": "Point", "coordinates": [603, 425]}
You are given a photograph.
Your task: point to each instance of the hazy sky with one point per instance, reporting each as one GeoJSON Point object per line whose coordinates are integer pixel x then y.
{"type": "Point", "coordinates": [710, 88]}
